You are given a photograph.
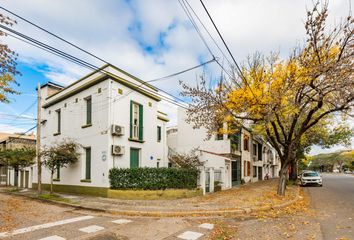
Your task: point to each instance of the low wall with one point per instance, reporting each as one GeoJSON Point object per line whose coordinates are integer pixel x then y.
{"type": "Point", "coordinates": [93, 191]}
{"type": "Point", "coordinates": [153, 194]}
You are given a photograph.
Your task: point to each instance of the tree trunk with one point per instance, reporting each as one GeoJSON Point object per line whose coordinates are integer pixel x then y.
{"type": "Point", "coordinates": [293, 171]}
{"type": "Point", "coordinates": [51, 182]}
{"type": "Point", "coordinates": [283, 174]}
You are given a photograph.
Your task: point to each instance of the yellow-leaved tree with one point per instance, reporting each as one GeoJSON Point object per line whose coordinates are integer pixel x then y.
{"type": "Point", "coordinates": [284, 100]}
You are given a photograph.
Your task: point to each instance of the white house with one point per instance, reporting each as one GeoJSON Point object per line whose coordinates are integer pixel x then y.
{"type": "Point", "coordinates": [227, 158]}
{"type": "Point", "coordinates": [114, 117]}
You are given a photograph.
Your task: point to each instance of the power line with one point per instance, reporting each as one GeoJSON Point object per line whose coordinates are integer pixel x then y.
{"type": "Point", "coordinates": [205, 28]}
{"type": "Point", "coordinates": [90, 66]}
{"type": "Point", "coordinates": [81, 49]}
{"type": "Point", "coordinates": [237, 66]}
{"type": "Point", "coordinates": [26, 110]}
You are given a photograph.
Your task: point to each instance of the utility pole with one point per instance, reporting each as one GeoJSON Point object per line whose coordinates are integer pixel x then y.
{"type": "Point", "coordinates": [38, 142]}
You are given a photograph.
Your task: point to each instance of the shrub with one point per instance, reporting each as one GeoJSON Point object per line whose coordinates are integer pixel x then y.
{"type": "Point", "coordinates": [153, 178]}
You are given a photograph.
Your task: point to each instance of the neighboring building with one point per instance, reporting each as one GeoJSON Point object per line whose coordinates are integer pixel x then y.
{"type": "Point", "coordinates": [8, 175]}
{"type": "Point", "coordinates": [114, 117]}
{"type": "Point", "coordinates": [227, 158]}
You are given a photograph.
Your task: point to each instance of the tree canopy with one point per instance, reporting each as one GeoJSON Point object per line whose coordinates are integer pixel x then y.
{"type": "Point", "coordinates": [285, 100]}
{"type": "Point", "coordinates": [8, 65]}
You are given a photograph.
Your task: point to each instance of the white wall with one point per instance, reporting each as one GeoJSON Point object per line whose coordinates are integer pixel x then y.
{"type": "Point", "coordinates": [108, 107]}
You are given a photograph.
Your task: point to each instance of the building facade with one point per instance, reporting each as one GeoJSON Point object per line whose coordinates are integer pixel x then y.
{"type": "Point", "coordinates": [10, 176]}
{"type": "Point", "coordinates": [114, 117]}
{"type": "Point", "coordinates": [228, 159]}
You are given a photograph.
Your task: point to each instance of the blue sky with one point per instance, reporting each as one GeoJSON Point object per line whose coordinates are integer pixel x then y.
{"type": "Point", "coordinates": [149, 39]}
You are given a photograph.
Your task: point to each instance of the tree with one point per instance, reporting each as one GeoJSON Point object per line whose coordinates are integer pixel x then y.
{"type": "Point", "coordinates": [184, 160]}
{"type": "Point", "coordinates": [283, 100]}
{"type": "Point", "coordinates": [17, 158]}
{"type": "Point", "coordinates": [8, 65]}
{"type": "Point", "coordinates": [58, 156]}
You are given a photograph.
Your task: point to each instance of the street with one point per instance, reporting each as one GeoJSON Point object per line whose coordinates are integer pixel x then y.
{"type": "Point", "coordinates": [24, 219]}
{"type": "Point", "coordinates": [334, 205]}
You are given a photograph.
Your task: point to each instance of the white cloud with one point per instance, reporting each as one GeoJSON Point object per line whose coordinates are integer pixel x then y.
{"type": "Point", "coordinates": [118, 31]}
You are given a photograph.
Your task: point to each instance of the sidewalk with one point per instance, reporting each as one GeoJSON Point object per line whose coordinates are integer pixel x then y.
{"type": "Point", "coordinates": [243, 199]}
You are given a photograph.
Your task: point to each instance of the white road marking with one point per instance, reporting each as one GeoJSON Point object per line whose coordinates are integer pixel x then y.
{"type": "Point", "coordinates": [42, 226]}
{"type": "Point", "coordinates": [55, 237]}
{"type": "Point", "coordinates": [91, 229]}
{"type": "Point", "coordinates": [189, 235]}
{"type": "Point", "coordinates": [206, 226]}
{"type": "Point", "coordinates": [121, 221]}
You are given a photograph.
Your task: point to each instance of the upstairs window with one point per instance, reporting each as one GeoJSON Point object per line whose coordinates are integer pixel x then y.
{"type": "Point", "coordinates": [136, 121]}
{"type": "Point", "coordinates": [246, 143]}
{"type": "Point", "coordinates": [254, 149]}
{"type": "Point", "coordinates": [88, 110]}
{"type": "Point", "coordinates": [158, 133]}
{"type": "Point", "coordinates": [58, 112]}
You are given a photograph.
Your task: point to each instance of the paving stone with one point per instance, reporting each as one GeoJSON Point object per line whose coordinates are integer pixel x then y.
{"type": "Point", "coordinates": [55, 237]}
{"type": "Point", "coordinates": [206, 226]}
{"type": "Point", "coordinates": [122, 221]}
{"type": "Point", "coordinates": [91, 229]}
{"type": "Point", "coordinates": [189, 235]}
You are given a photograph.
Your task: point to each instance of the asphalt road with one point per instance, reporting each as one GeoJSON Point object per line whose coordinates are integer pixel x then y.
{"type": "Point", "coordinates": [334, 205]}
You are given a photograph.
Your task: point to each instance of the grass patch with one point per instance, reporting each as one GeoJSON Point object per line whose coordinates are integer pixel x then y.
{"type": "Point", "coordinates": [12, 190]}
{"type": "Point", "coordinates": [54, 197]}
{"type": "Point", "coordinates": [154, 194]}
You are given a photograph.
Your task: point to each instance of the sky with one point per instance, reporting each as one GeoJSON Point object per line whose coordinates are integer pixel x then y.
{"type": "Point", "coordinates": [149, 39]}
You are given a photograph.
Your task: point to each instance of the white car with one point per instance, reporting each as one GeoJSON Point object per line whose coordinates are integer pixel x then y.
{"type": "Point", "coordinates": [308, 178]}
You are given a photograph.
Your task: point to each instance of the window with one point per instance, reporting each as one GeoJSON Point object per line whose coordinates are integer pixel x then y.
{"type": "Point", "coordinates": [158, 133]}
{"type": "Point", "coordinates": [254, 171]}
{"type": "Point", "coordinates": [248, 168]}
{"type": "Point", "coordinates": [58, 121]}
{"type": "Point", "coordinates": [88, 110]}
{"type": "Point", "coordinates": [245, 168]}
{"type": "Point", "coordinates": [88, 163]}
{"type": "Point", "coordinates": [260, 153]}
{"type": "Point", "coordinates": [246, 143]}
{"type": "Point", "coordinates": [136, 121]}
{"type": "Point", "coordinates": [254, 149]}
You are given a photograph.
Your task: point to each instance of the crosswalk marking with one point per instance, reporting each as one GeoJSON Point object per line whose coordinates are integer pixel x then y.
{"type": "Point", "coordinates": [42, 226]}
{"type": "Point", "coordinates": [91, 229]}
{"type": "Point", "coordinates": [207, 226]}
{"type": "Point", "coordinates": [189, 235]}
{"type": "Point", "coordinates": [121, 221]}
{"type": "Point", "coordinates": [55, 237]}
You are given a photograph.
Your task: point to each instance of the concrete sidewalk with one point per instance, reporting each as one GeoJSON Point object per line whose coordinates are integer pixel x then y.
{"type": "Point", "coordinates": [240, 200]}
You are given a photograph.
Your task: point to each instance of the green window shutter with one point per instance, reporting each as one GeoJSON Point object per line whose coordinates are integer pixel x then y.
{"type": "Point", "coordinates": [88, 163]}
{"type": "Point", "coordinates": [131, 119]}
{"type": "Point", "coordinates": [141, 126]}
{"type": "Point", "coordinates": [158, 133]}
{"type": "Point", "coordinates": [88, 110]}
{"type": "Point", "coordinates": [134, 158]}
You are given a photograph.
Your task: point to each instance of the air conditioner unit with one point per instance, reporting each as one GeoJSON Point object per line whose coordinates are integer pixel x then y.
{"type": "Point", "coordinates": [117, 150]}
{"type": "Point", "coordinates": [117, 130]}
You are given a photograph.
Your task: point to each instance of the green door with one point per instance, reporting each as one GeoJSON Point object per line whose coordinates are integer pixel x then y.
{"type": "Point", "coordinates": [134, 158]}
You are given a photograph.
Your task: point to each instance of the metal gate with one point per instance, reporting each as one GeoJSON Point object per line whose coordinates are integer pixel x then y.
{"type": "Point", "coordinates": [3, 175]}
{"type": "Point", "coordinates": [236, 172]}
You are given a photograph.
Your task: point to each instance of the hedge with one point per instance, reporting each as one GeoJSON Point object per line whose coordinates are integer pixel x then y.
{"type": "Point", "coordinates": [153, 178]}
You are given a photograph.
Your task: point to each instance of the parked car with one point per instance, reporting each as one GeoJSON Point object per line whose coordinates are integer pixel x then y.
{"type": "Point", "coordinates": [336, 171]}
{"type": "Point", "coordinates": [348, 172]}
{"type": "Point", "coordinates": [308, 178]}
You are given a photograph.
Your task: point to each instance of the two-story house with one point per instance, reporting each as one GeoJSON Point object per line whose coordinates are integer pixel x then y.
{"type": "Point", "coordinates": [226, 158]}
{"type": "Point", "coordinates": [10, 176]}
{"type": "Point", "coordinates": [114, 117]}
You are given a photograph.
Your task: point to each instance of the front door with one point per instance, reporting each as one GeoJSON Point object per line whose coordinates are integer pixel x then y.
{"type": "Point", "coordinates": [16, 178]}
{"type": "Point", "coordinates": [3, 175]}
{"type": "Point", "coordinates": [22, 179]}
{"type": "Point", "coordinates": [236, 172]}
{"type": "Point", "coordinates": [134, 157]}
{"type": "Point", "coordinates": [26, 179]}
{"type": "Point", "coordinates": [260, 177]}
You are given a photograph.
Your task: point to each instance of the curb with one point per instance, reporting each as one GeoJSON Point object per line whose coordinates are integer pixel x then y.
{"type": "Point", "coordinates": [243, 211]}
